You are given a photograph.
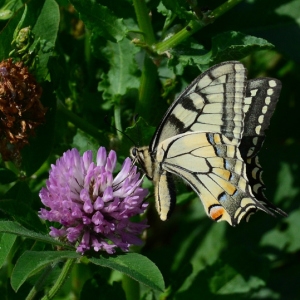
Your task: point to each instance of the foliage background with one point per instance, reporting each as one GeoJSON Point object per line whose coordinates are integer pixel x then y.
{"type": "Point", "coordinates": [97, 71]}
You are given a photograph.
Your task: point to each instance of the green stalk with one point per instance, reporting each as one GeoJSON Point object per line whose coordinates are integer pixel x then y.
{"type": "Point", "coordinates": [144, 21]}
{"type": "Point", "coordinates": [39, 283]}
{"type": "Point", "coordinates": [190, 29]}
{"type": "Point", "coordinates": [60, 280]}
{"type": "Point", "coordinates": [82, 124]}
{"type": "Point", "coordinates": [118, 124]}
{"type": "Point", "coordinates": [131, 288]}
{"type": "Point", "coordinates": [222, 9]}
{"type": "Point", "coordinates": [149, 97]}
{"type": "Point", "coordinates": [193, 26]}
{"type": "Point", "coordinates": [149, 77]}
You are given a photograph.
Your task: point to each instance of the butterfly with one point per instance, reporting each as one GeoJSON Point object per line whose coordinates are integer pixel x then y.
{"type": "Point", "coordinates": [210, 137]}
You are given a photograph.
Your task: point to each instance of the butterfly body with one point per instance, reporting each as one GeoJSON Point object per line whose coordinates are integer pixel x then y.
{"type": "Point", "coordinates": [210, 137]}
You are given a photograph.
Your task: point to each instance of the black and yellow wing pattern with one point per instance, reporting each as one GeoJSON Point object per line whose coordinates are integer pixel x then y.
{"type": "Point", "coordinates": [262, 95]}
{"type": "Point", "coordinates": [202, 139]}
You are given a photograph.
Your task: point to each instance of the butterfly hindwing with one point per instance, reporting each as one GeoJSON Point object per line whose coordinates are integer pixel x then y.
{"type": "Point", "coordinates": [262, 95]}
{"type": "Point", "coordinates": [212, 165]}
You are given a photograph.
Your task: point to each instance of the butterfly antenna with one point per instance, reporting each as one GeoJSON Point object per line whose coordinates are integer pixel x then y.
{"type": "Point", "coordinates": [114, 127]}
{"type": "Point", "coordinates": [135, 119]}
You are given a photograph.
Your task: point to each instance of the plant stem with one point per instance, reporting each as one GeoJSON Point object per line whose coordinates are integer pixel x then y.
{"type": "Point", "coordinates": [60, 280]}
{"type": "Point", "coordinates": [148, 86]}
{"type": "Point", "coordinates": [193, 26]}
{"type": "Point", "coordinates": [131, 288]}
{"type": "Point", "coordinates": [144, 21]}
{"type": "Point", "coordinates": [82, 124]}
{"type": "Point", "coordinates": [190, 29]}
{"type": "Point", "coordinates": [147, 105]}
{"type": "Point", "coordinates": [118, 124]}
{"type": "Point", "coordinates": [222, 9]}
{"type": "Point", "coordinates": [39, 283]}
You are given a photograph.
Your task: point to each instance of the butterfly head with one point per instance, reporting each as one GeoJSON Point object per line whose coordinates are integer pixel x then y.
{"type": "Point", "coordinates": [143, 158]}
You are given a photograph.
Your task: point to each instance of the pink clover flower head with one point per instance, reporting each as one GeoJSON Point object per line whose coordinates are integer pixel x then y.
{"type": "Point", "coordinates": [93, 206]}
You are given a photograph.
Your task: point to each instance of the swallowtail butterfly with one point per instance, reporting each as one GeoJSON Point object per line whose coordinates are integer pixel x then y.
{"type": "Point", "coordinates": [210, 137]}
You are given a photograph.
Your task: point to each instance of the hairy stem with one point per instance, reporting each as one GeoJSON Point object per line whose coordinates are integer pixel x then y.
{"type": "Point", "coordinates": [60, 280]}
{"type": "Point", "coordinates": [39, 283]}
{"type": "Point", "coordinates": [118, 124]}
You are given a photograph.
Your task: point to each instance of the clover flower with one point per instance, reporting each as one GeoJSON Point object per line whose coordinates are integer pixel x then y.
{"type": "Point", "coordinates": [20, 108]}
{"type": "Point", "coordinates": [94, 207]}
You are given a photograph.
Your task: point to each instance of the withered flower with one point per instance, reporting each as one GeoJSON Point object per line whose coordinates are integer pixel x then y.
{"type": "Point", "coordinates": [20, 108]}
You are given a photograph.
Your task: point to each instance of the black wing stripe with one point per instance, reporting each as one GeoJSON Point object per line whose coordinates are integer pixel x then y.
{"type": "Point", "coordinates": [222, 85]}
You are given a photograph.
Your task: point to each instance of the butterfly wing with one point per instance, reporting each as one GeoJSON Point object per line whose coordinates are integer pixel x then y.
{"type": "Point", "coordinates": [211, 113]}
{"type": "Point", "coordinates": [261, 98]}
{"type": "Point", "coordinates": [214, 168]}
{"type": "Point", "coordinates": [213, 102]}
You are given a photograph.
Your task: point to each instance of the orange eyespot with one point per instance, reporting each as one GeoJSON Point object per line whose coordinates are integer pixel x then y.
{"type": "Point", "coordinates": [216, 212]}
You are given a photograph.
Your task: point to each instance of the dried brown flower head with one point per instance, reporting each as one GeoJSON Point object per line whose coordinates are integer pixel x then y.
{"type": "Point", "coordinates": [20, 108]}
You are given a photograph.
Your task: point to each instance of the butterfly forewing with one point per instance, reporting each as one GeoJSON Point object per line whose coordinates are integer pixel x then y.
{"type": "Point", "coordinates": [213, 102]}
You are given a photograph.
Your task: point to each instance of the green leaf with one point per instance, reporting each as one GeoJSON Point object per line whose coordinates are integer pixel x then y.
{"type": "Point", "coordinates": [17, 229]}
{"type": "Point", "coordinates": [240, 271]}
{"type": "Point", "coordinates": [46, 29]}
{"type": "Point", "coordinates": [22, 213]}
{"type": "Point", "coordinates": [136, 266]}
{"type": "Point", "coordinates": [30, 262]}
{"type": "Point", "coordinates": [180, 8]}
{"type": "Point", "coordinates": [193, 55]}
{"type": "Point", "coordinates": [17, 204]}
{"type": "Point", "coordinates": [228, 280]}
{"type": "Point", "coordinates": [276, 21]}
{"type": "Point", "coordinates": [6, 243]}
{"type": "Point", "coordinates": [285, 236]}
{"type": "Point", "coordinates": [123, 74]}
{"type": "Point", "coordinates": [43, 17]}
{"type": "Point", "coordinates": [7, 176]}
{"type": "Point", "coordinates": [234, 45]}
{"type": "Point", "coordinates": [165, 12]}
{"type": "Point", "coordinates": [84, 142]}
{"type": "Point", "coordinates": [287, 188]}
{"type": "Point", "coordinates": [100, 20]}
{"type": "Point", "coordinates": [229, 45]}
